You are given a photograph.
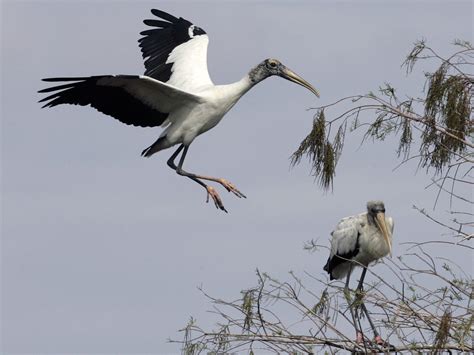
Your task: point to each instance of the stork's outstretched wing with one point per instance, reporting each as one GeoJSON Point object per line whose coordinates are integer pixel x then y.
{"type": "Point", "coordinates": [134, 100]}
{"type": "Point", "coordinates": [175, 52]}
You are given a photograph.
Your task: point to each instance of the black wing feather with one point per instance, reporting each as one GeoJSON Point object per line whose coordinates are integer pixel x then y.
{"type": "Point", "coordinates": [164, 15]}
{"type": "Point", "coordinates": [156, 23]}
{"type": "Point", "coordinates": [340, 258]}
{"type": "Point", "coordinates": [157, 44]}
{"type": "Point", "coordinates": [110, 100]}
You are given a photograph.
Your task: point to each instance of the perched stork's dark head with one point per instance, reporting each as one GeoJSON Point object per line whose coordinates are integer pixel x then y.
{"type": "Point", "coordinates": [374, 207]}
{"type": "Point", "coordinates": [271, 67]}
{"type": "Point", "coordinates": [376, 210]}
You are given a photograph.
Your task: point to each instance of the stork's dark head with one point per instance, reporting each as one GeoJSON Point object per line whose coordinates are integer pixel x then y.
{"type": "Point", "coordinates": [376, 211]}
{"type": "Point", "coordinates": [374, 207]}
{"type": "Point", "coordinates": [271, 67]}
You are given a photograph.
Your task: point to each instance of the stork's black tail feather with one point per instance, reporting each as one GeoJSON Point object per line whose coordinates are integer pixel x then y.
{"type": "Point", "coordinates": [160, 144]}
{"type": "Point", "coordinates": [328, 268]}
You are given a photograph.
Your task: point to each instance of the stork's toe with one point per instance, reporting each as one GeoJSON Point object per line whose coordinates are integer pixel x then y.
{"type": "Point", "coordinates": [215, 197]}
{"type": "Point", "coordinates": [384, 344]}
{"type": "Point", "coordinates": [231, 188]}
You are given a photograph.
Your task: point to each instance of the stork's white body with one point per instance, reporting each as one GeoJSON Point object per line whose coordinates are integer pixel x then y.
{"type": "Point", "coordinates": [191, 75]}
{"type": "Point", "coordinates": [193, 103]}
{"type": "Point", "coordinates": [195, 118]}
{"type": "Point", "coordinates": [360, 241]}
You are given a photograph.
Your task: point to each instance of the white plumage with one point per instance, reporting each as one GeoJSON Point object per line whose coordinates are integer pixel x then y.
{"type": "Point", "coordinates": [357, 241]}
{"type": "Point", "coordinates": [189, 60]}
{"type": "Point", "coordinates": [176, 91]}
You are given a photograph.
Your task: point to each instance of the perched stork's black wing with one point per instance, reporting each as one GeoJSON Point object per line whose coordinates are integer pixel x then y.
{"type": "Point", "coordinates": [134, 100]}
{"type": "Point", "coordinates": [175, 52]}
{"type": "Point", "coordinates": [341, 258]}
{"type": "Point", "coordinates": [344, 246]}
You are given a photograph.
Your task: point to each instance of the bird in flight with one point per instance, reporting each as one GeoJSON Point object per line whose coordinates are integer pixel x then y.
{"type": "Point", "coordinates": [357, 241]}
{"type": "Point", "coordinates": [175, 92]}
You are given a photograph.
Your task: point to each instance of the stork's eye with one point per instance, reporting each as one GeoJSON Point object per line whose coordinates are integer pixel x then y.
{"type": "Point", "coordinates": [271, 64]}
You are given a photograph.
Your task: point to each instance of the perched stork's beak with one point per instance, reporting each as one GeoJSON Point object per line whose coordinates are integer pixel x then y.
{"type": "Point", "coordinates": [380, 221]}
{"type": "Point", "coordinates": [292, 76]}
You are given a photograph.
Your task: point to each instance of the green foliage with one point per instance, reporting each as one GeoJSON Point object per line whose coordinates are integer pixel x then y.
{"type": "Point", "coordinates": [447, 105]}
{"type": "Point", "coordinates": [418, 48]}
{"type": "Point", "coordinates": [442, 335]}
{"type": "Point", "coordinates": [190, 347]}
{"type": "Point", "coordinates": [322, 154]}
{"type": "Point", "coordinates": [320, 307]}
{"type": "Point", "coordinates": [406, 138]}
{"type": "Point", "coordinates": [247, 308]}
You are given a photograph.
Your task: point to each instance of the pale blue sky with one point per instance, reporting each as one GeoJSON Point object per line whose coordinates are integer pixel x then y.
{"type": "Point", "coordinates": [102, 250]}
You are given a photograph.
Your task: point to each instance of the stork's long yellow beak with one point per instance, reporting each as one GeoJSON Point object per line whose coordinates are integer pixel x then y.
{"type": "Point", "coordinates": [380, 221]}
{"type": "Point", "coordinates": [292, 76]}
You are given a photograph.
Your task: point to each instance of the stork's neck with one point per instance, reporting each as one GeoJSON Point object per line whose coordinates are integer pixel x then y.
{"type": "Point", "coordinates": [233, 92]}
{"type": "Point", "coordinates": [236, 90]}
{"type": "Point", "coordinates": [243, 85]}
{"type": "Point", "coordinates": [254, 76]}
{"type": "Point", "coordinates": [248, 81]}
{"type": "Point", "coordinates": [258, 74]}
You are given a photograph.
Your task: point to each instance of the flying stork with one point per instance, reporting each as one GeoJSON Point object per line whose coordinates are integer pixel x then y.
{"type": "Point", "coordinates": [176, 92]}
{"type": "Point", "coordinates": [357, 241]}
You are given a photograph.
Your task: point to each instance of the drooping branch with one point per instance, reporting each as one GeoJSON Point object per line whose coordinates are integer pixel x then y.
{"type": "Point", "coordinates": [442, 131]}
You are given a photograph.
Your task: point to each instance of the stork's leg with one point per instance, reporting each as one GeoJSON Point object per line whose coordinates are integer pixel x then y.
{"type": "Point", "coordinates": [173, 166]}
{"type": "Point", "coordinates": [359, 303]}
{"type": "Point", "coordinates": [376, 333]}
{"type": "Point", "coordinates": [360, 296]}
{"type": "Point", "coordinates": [359, 299]}
{"type": "Point", "coordinates": [377, 338]}
{"type": "Point", "coordinates": [227, 184]}
{"type": "Point", "coordinates": [355, 318]}
{"type": "Point", "coordinates": [179, 169]}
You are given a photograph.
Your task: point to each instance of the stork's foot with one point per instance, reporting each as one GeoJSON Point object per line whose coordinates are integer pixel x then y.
{"type": "Point", "coordinates": [384, 344]}
{"type": "Point", "coordinates": [377, 344]}
{"type": "Point", "coordinates": [379, 341]}
{"type": "Point", "coordinates": [362, 343]}
{"type": "Point", "coordinates": [231, 188]}
{"type": "Point", "coordinates": [215, 197]}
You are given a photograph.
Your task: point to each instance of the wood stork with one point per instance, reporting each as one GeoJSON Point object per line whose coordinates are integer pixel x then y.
{"type": "Point", "coordinates": [176, 92]}
{"type": "Point", "coordinates": [357, 241]}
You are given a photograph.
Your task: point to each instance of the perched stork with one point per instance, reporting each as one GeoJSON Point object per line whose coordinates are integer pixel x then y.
{"type": "Point", "coordinates": [176, 92]}
{"type": "Point", "coordinates": [357, 241]}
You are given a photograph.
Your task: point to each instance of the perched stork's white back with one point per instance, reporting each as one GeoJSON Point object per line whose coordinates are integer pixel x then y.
{"type": "Point", "coordinates": [176, 91]}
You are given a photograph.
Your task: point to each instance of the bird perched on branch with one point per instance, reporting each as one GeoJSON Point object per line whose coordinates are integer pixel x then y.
{"type": "Point", "coordinates": [176, 92]}
{"type": "Point", "coordinates": [357, 241]}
